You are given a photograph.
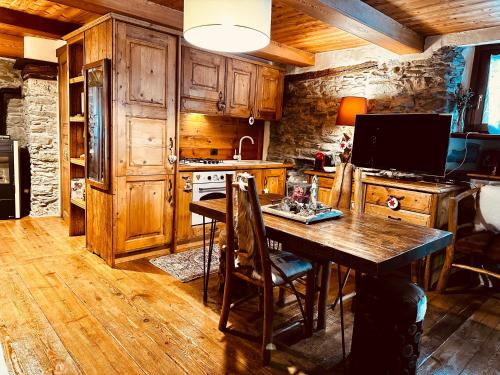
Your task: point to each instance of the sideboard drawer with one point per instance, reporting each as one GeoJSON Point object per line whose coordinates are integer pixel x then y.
{"type": "Point", "coordinates": [400, 215]}
{"type": "Point", "coordinates": [409, 200]}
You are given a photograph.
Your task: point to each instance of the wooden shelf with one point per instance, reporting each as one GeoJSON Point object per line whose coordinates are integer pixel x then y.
{"type": "Point", "coordinates": [78, 202]}
{"type": "Point", "coordinates": [78, 161]}
{"type": "Point", "coordinates": [76, 79]}
{"type": "Point", "coordinates": [77, 118]}
{"type": "Point", "coordinates": [476, 136]}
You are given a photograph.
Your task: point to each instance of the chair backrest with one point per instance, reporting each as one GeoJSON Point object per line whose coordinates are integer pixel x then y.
{"type": "Point", "coordinates": [342, 188]}
{"type": "Point", "coordinates": [249, 230]}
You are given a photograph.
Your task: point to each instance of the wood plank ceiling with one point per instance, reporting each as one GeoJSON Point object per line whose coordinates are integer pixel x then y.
{"type": "Point", "coordinates": [290, 27]}
{"type": "Point", "coordinates": [434, 17]}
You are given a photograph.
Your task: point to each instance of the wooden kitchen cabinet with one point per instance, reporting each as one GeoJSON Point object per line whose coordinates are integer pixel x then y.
{"type": "Point", "coordinates": [183, 197]}
{"type": "Point", "coordinates": [221, 85]}
{"type": "Point", "coordinates": [274, 180]}
{"type": "Point", "coordinates": [257, 174]}
{"type": "Point", "coordinates": [241, 84]}
{"type": "Point", "coordinates": [269, 97]}
{"type": "Point", "coordinates": [203, 81]}
{"type": "Point", "coordinates": [134, 217]}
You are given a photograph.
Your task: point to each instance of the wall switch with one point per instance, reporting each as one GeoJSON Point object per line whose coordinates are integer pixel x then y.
{"type": "Point", "coordinates": [214, 151]}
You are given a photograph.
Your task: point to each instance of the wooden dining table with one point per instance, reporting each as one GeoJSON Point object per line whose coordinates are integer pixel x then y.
{"type": "Point", "coordinates": [365, 243]}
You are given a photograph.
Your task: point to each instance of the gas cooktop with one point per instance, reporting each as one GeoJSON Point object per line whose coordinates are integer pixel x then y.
{"type": "Point", "coordinates": [204, 161]}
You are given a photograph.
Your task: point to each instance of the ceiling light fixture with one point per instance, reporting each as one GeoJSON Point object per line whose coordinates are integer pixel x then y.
{"type": "Point", "coordinates": [228, 25]}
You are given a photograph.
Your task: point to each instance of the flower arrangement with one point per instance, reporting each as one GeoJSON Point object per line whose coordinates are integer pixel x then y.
{"type": "Point", "coordinates": [462, 99]}
{"type": "Point", "coordinates": [345, 148]}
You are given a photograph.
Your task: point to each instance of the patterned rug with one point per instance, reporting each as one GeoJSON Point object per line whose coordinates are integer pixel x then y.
{"type": "Point", "coordinates": [187, 265]}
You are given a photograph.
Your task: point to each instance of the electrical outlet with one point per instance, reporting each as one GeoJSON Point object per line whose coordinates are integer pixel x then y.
{"type": "Point", "coordinates": [214, 151]}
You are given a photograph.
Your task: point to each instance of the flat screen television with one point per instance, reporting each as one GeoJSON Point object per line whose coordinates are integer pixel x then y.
{"type": "Point", "coordinates": [412, 143]}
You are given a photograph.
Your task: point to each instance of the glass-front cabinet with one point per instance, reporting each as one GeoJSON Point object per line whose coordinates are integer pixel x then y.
{"type": "Point", "coordinates": [97, 132]}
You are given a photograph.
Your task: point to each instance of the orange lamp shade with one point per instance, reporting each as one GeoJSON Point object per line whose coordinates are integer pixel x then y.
{"type": "Point", "coordinates": [350, 106]}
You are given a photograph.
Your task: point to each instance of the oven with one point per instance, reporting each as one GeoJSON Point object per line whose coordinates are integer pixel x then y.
{"type": "Point", "coordinates": [208, 185]}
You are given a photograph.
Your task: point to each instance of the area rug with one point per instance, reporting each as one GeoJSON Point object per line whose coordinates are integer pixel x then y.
{"type": "Point", "coordinates": [187, 265]}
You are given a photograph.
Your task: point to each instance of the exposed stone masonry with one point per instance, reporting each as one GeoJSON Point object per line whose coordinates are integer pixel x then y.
{"type": "Point", "coordinates": [33, 122]}
{"type": "Point", "coordinates": [40, 116]}
{"type": "Point", "coordinates": [9, 77]}
{"type": "Point", "coordinates": [310, 105]}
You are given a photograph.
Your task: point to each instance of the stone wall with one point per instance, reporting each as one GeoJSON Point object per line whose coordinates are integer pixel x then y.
{"type": "Point", "coordinates": [399, 86]}
{"type": "Point", "coordinates": [41, 121]}
{"type": "Point", "coordinates": [9, 77]}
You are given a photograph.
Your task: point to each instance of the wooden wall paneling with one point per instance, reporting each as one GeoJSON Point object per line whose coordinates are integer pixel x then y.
{"type": "Point", "coordinates": [200, 134]}
{"type": "Point", "coordinates": [203, 81]}
{"type": "Point", "coordinates": [100, 223]}
{"type": "Point", "coordinates": [240, 85]}
{"type": "Point", "coordinates": [98, 46]}
{"type": "Point", "coordinates": [11, 45]}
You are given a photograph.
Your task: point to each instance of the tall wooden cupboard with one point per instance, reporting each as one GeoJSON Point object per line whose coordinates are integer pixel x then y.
{"type": "Point", "coordinates": [134, 217]}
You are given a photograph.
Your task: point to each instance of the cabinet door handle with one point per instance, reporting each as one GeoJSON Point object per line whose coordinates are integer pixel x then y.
{"type": "Point", "coordinates": [394, 218]}
{"type": "Point", "coordinates": [221, 104]}
{"type": "Point", "coordinates": [170, 194]}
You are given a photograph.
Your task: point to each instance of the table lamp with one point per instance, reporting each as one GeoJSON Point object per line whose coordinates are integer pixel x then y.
{"type": "Point", "coordinates": [350, 106]}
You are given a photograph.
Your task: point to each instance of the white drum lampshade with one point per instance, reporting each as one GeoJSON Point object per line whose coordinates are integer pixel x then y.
{"type": "Point", "coordinates": [228, 25]}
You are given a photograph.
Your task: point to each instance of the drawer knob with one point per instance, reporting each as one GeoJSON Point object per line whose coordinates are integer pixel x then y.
{"type": "Point", "coordinates": [393, 202]}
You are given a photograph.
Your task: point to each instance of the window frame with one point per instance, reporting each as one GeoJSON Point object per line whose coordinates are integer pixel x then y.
{"type": "Point", "coordinates": [479, 84]}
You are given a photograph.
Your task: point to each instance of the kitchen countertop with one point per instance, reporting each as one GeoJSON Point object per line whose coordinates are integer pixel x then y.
{"type": "Point", "coordinates": [234, 166]}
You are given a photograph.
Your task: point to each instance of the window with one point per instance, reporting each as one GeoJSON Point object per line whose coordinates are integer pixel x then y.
{"type": "Point", "coordinates": [485, 83]}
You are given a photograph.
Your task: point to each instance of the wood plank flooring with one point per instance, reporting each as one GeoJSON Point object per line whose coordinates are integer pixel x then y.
{"type": "Point", "coordinates": [64, 311]}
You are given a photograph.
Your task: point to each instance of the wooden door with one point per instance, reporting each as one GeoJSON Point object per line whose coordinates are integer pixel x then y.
{"type": "Point", "coordinates": [203, 81]}
{"type": "Point", "coordinates": [146, 82]}
{"type": "Point", "coordinates": [145, 212]}
{"type": "Point", "coordinates": [273, 180]}
{"type": "Point", "coordinates": [241, 81]}
{"type": "Point", "coordinates": [62, 54]}
{"type": "Point", "coordinates": [269, 95]}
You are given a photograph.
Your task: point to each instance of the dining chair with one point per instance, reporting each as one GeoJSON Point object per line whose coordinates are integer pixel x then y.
{"type": "Point", "coordinates": [249, 258]}
{"type": "Point", "coordinates": [474, 220]}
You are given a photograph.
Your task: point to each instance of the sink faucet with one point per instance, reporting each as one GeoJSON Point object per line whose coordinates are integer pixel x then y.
{"type": "Point", "coordinates": [237, 156]}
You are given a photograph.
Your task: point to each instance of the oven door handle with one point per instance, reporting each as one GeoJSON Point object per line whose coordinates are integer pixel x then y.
{"type": "Point", "coordinates": [212, 190]}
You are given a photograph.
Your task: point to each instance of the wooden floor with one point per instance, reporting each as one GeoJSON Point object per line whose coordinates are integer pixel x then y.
{"type": "Point", "coordinates": [63, 311]}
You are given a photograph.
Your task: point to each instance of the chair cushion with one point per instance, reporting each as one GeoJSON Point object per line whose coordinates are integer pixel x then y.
{"type": "Point", "coordinates": [291, 265]}
{"type": "Point", "coordinates": [475, 243]}
{"type": "Point", "coordinates": [488, 213]}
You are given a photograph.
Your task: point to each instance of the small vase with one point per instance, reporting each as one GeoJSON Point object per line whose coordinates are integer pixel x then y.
{"type": "Point", "coordinates": [460, 121]}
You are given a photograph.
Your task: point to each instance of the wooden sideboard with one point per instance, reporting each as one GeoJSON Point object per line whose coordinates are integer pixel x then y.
{"type": "Point", "coordinates": [420, 203]}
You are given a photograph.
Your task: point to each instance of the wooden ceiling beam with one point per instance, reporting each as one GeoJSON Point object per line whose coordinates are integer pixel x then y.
{"type": "Point", "coordinates": [364, 21]}
{"type": "Point", "coordinates": [285, 54]}
{"type": "Point", "coordinates": [162, 15]}
{"type": "Point", "coordinates": [39, 25]}
{"type": "Point", "coordinates": [143, 9]}
{"type": "Point", "coordinates": [11, 46]}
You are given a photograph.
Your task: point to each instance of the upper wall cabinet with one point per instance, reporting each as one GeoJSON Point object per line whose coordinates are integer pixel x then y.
{"type": "Point", "coordinates": [241, 81]}
{"type": "Point", "coordinates": [217, 85]}
{"type": "Point", "coordinates": [269, 93]}
{"type": "Point", "coordinates": [203, 81]}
